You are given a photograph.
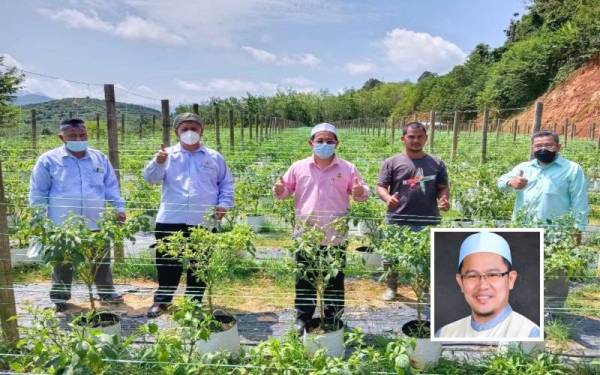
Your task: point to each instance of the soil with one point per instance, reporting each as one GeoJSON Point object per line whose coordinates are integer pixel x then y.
{"type": "Point", "coordinates": [576, 99]}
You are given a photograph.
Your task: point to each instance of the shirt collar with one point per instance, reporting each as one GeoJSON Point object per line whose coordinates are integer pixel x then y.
{"type": "Point", "coordinates": [335, 161]}
{"type": "Point", "coordinates": [64, 153]}
{"type": "Point", "coordinates": [504, 313]}
{"type": "Point", "coordinates": [179, 148]}
{"type": "Point", "coordinates": [560, 161]}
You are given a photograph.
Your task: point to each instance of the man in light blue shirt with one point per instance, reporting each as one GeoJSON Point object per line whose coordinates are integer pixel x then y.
{"type": "Point", "coordinates": [548, 186]}
{"type": "Point", "coordinates": [195, 180]}
{"type": "Point", "coordinates": [76, 179]}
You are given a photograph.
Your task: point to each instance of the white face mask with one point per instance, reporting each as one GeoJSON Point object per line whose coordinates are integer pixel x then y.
{"type": "Point", "coordinates": [189, 137]}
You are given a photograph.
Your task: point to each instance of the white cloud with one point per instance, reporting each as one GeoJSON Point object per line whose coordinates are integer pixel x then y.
{"type": "Point", "coordinates": [297, 81]}
{"type": "Point", "coordinates": [75, 19]}
{"type": "Point", "coordinates": [355, 68]}
{"type": "Point", "coordinates": [260, 55]}
{"type": "Point", "coordinates": [131, 28]}
{"type": "Point", "coordinates": [414, 52]}
{"type": "Point", "coordinates": [219, 87]}
{"type": "Point", "coordinates": [136, 28]}
{"type": "Point", "coordinates": [10, 61]}
{"type": "Point", "coordinates": [307, 59]}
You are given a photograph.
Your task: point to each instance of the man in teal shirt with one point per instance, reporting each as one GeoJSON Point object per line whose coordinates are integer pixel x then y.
{"type": "Point", "coordinates": [549, 185]}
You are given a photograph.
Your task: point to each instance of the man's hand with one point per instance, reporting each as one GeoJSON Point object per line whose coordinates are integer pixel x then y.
{"type": "Point", "coordinates": [357, 189]}
{"type": "Point", "coordinates": [162, 155]}
{"type": "Point", "coordinates": [121, 217]}
{"type": "Point", "coordinates": [394, 201]}
{"type": "Point", "coordinates": [220, 212]}
{"type": "Point", "coordinates": [279, 187]}
{"type": "Point", "coordinates": [443, 203]}
{"type": "Point", "coordinates": [518, 182]}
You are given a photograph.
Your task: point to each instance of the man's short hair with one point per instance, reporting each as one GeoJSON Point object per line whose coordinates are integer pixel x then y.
{"type": "Point", "coordinates": [506, 263]}
{"type": "Point", "coordinates": [72, 123]}
{"type": "Point", "coordinates": [414, 125]}
{"type": "Point", "coordinates": [544, 133]}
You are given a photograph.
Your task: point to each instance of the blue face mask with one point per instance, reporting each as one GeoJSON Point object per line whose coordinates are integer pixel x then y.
{"type": "Point", "coordinates": [77, 146]}
{"type": "Point", "coordinates": [324, 150]}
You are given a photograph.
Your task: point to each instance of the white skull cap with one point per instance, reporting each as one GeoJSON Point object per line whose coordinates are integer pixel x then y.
{"type": "Point", "coordinates": [484, 242]}
{"type": "Point", "coordinates": [323, 127]}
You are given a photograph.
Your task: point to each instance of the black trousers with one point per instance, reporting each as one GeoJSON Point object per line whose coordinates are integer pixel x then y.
{"type": "Point", "coordinates": [169, 268]}
{"type": "Point", "coordinates": [306, 294]}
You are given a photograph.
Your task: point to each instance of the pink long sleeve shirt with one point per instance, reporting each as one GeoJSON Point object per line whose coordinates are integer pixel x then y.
{"type": "Point", "coordinates": [322, 195]}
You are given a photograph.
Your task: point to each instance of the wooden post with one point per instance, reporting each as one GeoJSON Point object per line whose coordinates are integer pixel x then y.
{"type": "Point", "coordinates": [242, 123]}
{"type": "Point", "coordinates": [431, 136]}
{"type": "Point", "coordinates": [393, 130]}
{"type": "Point", "coordinates": [593, 131]}
{"type": "Point", "coordinates": [470, 126]}
{"type": "Point", "coordinates": [378, 124]}
{"type": "Point", "coordinates": [454, 136]}
{"type": "Point", "coordinates": [217, 126]}
{"type": "Point", "coordinates": [141, 126]}
{"type": "Point", "coordinates": [8, 308]}
{"type": "Point", "coordinates": [498, 126]}
{"type": "Point", "coordinates": [166, 123]}
{"type": "Point", "coordinates": [573, 131]}
{"type": "Point", "coordinates": [566, 132]}
{"type": "Point", "coordinates": [33, 130]}
{"type": "Point", "coordinates": [195, 109]}
{"type": "Point", "coordinates": [484, 130]}
{"type": "Point", "coordinates": [385, 126]}
{"type": "Point", "coordinates": [554, 127]}
{"type": "Point", "coordinates": [113, 149]}
{"type": "Point", "coordinates": [537, 121]}
{"type": "Point", "coordinates": [153, 124]}
{"type": "Point", "coordinates": [257, 125]}
{"type": "Point", "coordinates": [231, 129]}
{"type": "Point", "coordinates": [515, 128]}
{"type": "Point", "coordinates": [97, 128]}
{"type": "Point", "coordinates": [122, 128]}
{"type": "Point", "coordinates": [261, 128]}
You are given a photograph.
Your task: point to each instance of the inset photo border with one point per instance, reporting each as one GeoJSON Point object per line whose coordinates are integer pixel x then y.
{"type": "Point", "coordinates": [449, 305]}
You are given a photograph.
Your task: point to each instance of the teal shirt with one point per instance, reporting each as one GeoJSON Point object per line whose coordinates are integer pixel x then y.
{"type": "Point", "coordinates": [552, 190]}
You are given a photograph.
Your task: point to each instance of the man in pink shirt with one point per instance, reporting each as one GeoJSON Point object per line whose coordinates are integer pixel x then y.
{"type": "Point", "coordinates": [322, 185]}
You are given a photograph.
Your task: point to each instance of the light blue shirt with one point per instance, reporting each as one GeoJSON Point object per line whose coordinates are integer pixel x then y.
{"type": "Point", "coordinates": [552, 190]}
{"type": "Point", "coordinates": [192, 184]}
{"type": "Point", "coordinates": [63, 184]}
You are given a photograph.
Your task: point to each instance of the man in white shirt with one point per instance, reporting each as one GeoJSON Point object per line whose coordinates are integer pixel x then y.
{"type": "Point", "coordinates": [485, 277]}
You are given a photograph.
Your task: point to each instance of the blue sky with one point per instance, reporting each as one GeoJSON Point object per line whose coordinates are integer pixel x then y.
{"type": "Point", "coordinates": [188, 51]}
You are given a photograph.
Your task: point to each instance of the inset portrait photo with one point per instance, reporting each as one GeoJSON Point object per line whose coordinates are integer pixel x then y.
{"type": "Point", "coordinates": [487, 284]}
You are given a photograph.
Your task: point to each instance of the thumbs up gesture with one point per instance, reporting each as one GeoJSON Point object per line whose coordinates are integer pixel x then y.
{"type": "Point", "coordinates": [357, 189]}
{"type": "Point", "coordinates": [279, 186]}
{"type": "Point", "coordinates": [394, 201]}
{"type": "Point", "coordinates": [443, 203]}
{"type": "Point", "coordinates": [162, 155]}
{"type": "Point", "coordinates": [518, 182]}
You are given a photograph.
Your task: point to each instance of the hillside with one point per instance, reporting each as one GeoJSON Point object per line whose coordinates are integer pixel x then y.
{"type": "Point", "coordinates": [25, 99]}
{"type": "Point", "coordinates": [576, 99]}
{"type": "Point", "coordinates": [55, 111]}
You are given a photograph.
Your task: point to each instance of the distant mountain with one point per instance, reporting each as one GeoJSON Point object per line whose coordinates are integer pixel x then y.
{"type": "Point", "coordinates": [54, 111]}
{"type": "Point", "coordinates": [25, 99]}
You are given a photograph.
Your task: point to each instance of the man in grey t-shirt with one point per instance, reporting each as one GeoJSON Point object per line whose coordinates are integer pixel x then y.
{"type": "Point", "coordinates": [414, 186]}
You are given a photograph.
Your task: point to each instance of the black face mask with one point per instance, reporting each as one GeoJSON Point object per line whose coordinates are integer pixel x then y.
{"type": "Point", "coordinates": [545, 156]}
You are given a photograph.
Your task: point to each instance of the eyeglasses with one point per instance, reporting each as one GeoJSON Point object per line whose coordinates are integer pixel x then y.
{"type": "Point", "coordinates": [492, 277]}
{"type": "Point", "coordinates": [547, 147]}
{"type": "Point", "coordinates": [329, 142]}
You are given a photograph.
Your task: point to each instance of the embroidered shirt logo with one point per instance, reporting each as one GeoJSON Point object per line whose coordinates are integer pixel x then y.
{"type": "Point", "coordinates": [419, 179]}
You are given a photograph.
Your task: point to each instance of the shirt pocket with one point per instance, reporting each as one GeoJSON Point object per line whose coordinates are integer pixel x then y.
{"type": "Point", "coordinates": [339, 184]}
{"type": "Point", "coordinates": [208, 169]}
{"type": "Point", "coordinates": [95, 177]}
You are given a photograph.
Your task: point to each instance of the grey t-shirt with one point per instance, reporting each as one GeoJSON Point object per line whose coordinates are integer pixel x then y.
{"type": "Point", "coordinates": [416, 182]}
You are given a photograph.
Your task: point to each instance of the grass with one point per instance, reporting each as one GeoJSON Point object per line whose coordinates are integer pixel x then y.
{"type": "Point", "coordinates": [585, 301]}
{"type": "Point", "coordinates": [558, 333]}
